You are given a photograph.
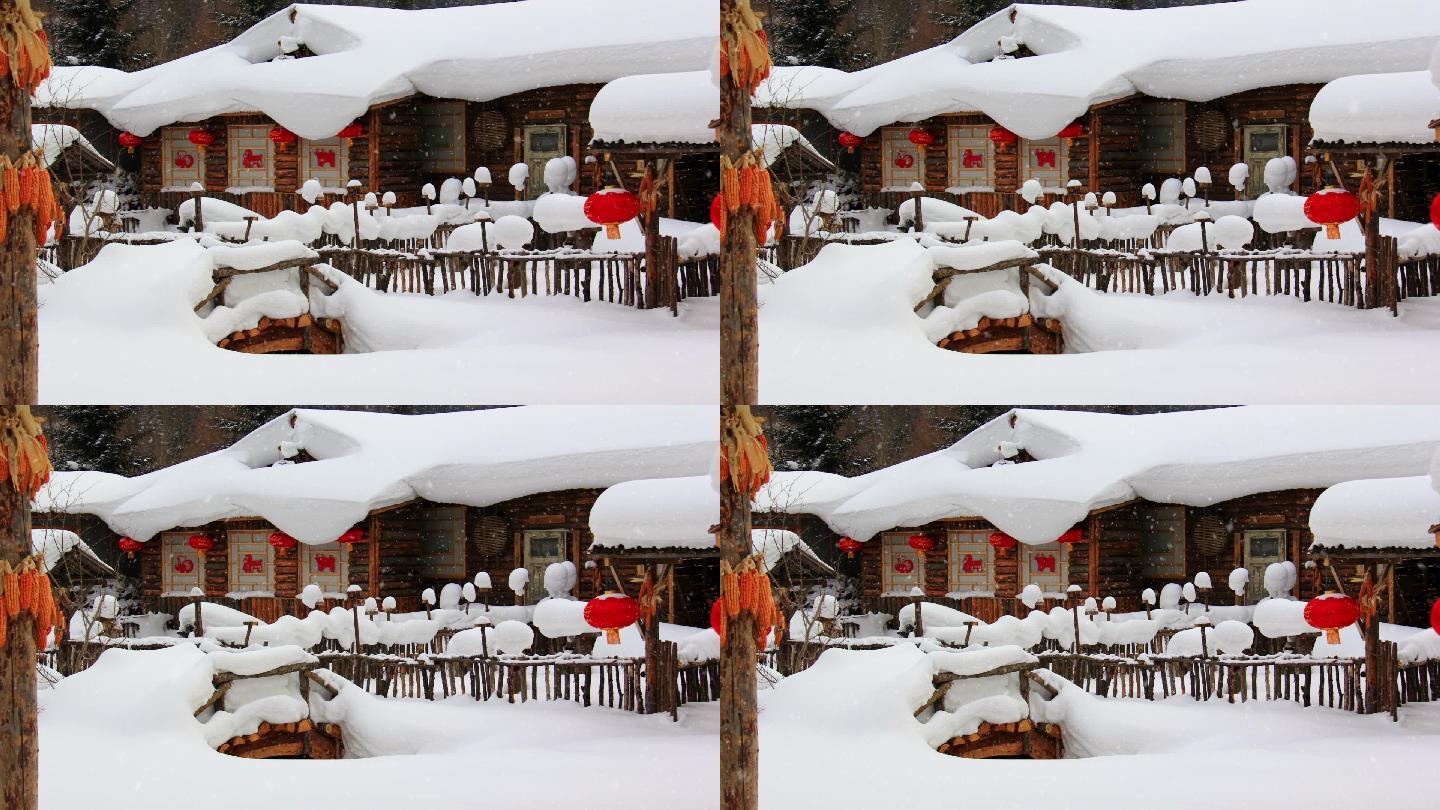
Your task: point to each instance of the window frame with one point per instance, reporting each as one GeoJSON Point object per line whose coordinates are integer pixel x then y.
{"type": "Point", "coordinates": [342, 159]}
{"type": "Point", "coordinates": [451, 159]}
{"type": "Point", "coordinates": [173, 142]}
{"type": "Point", "coordinates": [1173, 113]}
{"type": "Point", "coordinates": [1061, 173]}
{"type": "Point", "coordinates": [969, 541]}
{"type": "Point", "coordinates": [895, 141]}
{"type": "Point", "coordinates": [1062, 564]}
{"type": "Point", "coordinates": [308, 553]}
{"type": "Point", "coordinates": [1168, 563]}
{"type": "Point", "coordinates": [968, 136]}
{"type": "Point", "coordinates": [248, 542]}
{"type": "Point", "coordinates": [894, 547]}
{"type": "Point", "coordinates": [443, 563]}
{"type": "Point", "coordinates": [173, 544]}
{"type": "Point", "coordinates": [248, 136]}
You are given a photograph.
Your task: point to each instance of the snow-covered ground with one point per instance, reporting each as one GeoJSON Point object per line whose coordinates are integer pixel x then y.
{"type": "Point", "coordinates": [842, 329]}
{"type": "Point", "coordinates": [121, 734]}
{"type": "Point", "coordinates": [842, 735]}
{"type": "Point", "coordinates": [121, 329]}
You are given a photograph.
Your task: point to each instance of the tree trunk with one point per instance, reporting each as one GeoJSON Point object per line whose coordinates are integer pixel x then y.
{"type": "Point", "coordinates": [18, 749]}
{"type": "Point", "coordinates": [738, 341]}
{"type": "Point", "coordinates": [18, 374]}
{"type": "Point", "coordinates": [739, 737]}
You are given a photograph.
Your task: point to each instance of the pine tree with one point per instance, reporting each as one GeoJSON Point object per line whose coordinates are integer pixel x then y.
{"type": "Point", "coordinates": [808, 32]}
{"type": "Point", "coordinates": [955, 16]}
{"type": "Point", "coordinates": [93, 32]}
{"type": "Point", "coordinates": [241, 15]}
{"type": "Point", "coordinates": [807, 437]}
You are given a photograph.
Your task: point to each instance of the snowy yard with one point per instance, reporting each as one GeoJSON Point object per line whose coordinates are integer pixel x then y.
{"type": "Point", "coordinates": [122, 330]}
{"type": "Point", "coordinates": [132, 712]}
{"type": "Point", "coordinates": [842, 329]}
{"type": "Point", "coordinates": [841, 735]}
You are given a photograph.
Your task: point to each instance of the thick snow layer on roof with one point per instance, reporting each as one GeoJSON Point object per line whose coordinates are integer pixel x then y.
{"type": "Point", "coordinates": [1085, 56]}
{"type": "Point", "coordinates": [365, 56]}
{"type": "Point", "coordinates": [657, 513]}
{"type": "Point", "coordinates": [365, 461]}
{"type": "Point", "coordinates": [50, 141]}
{"type": "Point", "coordinates": [54, 544]}
{"type": "Point", "coordinates": [1377, 108]}
{"type": "Point", "coordinates": [1386, 513]}
{"type": "Point", "coordinates": [657, 108]}
{"type": "Point", "coordinates": [1086, 461]}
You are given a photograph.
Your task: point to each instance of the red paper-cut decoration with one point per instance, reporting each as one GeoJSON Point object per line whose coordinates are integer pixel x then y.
{"type": "Point", "coordinates": [252, 565]}
{"type": "Point", "coordinates": [325, 158]}
{"type": "Point", "coordinates": [252, 160]}
{"type": "Point", "coordinates": [184, 160]}
{"type": "Point", "coordinates": [184, 565]}
{"type": "Point", "coordinates": [972, 160]}
{"type": "Point", "coordinates": [904, 160]}
{"type": "Point", "coordinates": [1045, 157]}
{"type": "Point", "coordinates": [904, 565]}
{"type": "Point", "coordinates": [1044, 562]}
{"type": "Point", "coordinates": [324, 563]}
{"type": "Point", "coordinates": [972, 565]}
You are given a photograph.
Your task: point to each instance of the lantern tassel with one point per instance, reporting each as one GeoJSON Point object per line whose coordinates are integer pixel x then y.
{"type": "Point", "coordinates": [612, 231]}
{"type": "Point", "coordinates": [612, 636]}
{"type": "Point", "coordinates": [1332, 635]}
{"type": "Point", "coordinates": [1332, 230]}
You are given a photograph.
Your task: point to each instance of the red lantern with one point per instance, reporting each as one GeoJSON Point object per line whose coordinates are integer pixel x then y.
{"type": "Point", "coordinates": [921, 544]}
{"type": "Point", "coordinates": [717, 211]}
{"type": "Point", "coordinates": [354, 129]}
{"type": "Point", "coordinates": [611, 207]}
{"type": "Point", "coordinates": [282, 541]}
{"type": "Point", "coordinates": [850, 140]}
{"type": "Point", "coordinates": [850, 545]}
{"type": "Point", "coordinates": [130, 141]}
{"type": "Point", "coordinates": [201, 543]}
{"type": "Point", "coordinates": [129, 545]}
{"type": "Point", "coordinates": [1073, 535]}
{"type": "Point", "coordinates": [201, 138]}
{"type": "Point", "coordinates": [1435, 211]}
{"type": "Point", "coordinates": [1002, 135]}
{"type": "Point", "coordinates": [921, 138]}
{"type": "Point", "coordinates": [612, 612]}
{"type": "Point", "coordinates": [1074, 129]}
{"type": "Point", "coordinates": [1001, 540]}
{"type": "Point", "coordinates": [1435, 616]}
{"type": "Point", "coordinates": [1331, 612]}
{"type": "Point", "coordinates": [1330, 207]}
{"type": "Point", "coordinates": [351, 536]}
{"type": "Point", "coordinates": [281, 135]}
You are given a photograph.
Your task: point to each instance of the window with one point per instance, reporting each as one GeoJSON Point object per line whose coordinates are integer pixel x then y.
{"type": "Point", "coordinates": [1046, 160]}
{"type": "Point", "coordinates": [252, 565]}
{"type": "Point", "coordinates": [972, 564]}
{"type": "Point", "coordinates": [1162, 137]}
{"type": "Point", "coordinates": [181, 163]}
{"type": "Point", "coordinates": [901, 570]}
{"type": "Point", "coordinates": [442, 137]}
{"type": "Point", "coordinates": [252, 164]}
{"type": "Point", "coordinates": [972, 160]}
{"type": "Point", "coordinates": [325, 565]}
{"type": "Point", "coordinates": [182, 569]}
{"type": "Point", "coordinates": [442, 541]}
{"type": "Point", "coordinates": [326, 160]}
{"type": "Point", "coordinates": [1046, 566]}
{"type": "Point", "coordinates": [901, 162]}
{"type": "Point", "coordinates": [1162, 538]}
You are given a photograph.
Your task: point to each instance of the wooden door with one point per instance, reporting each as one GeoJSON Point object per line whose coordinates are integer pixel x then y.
{"type": "Point", "coordinates": [1262, 143]}
{"type": "Point", "coordinates": [542, 548]}
{"type": "Point", "coordinates": [543, 142]}
{"type": "Point", "coordinates": [1262, 548]}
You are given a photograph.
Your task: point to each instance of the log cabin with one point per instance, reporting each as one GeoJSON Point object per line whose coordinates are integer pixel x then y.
{"type": "Point", "coordinates": [391, 503]}
{"type": "Point", "coordinates": [1113, 504]}
{"type": "Point", "coordinates": [392, 98]}
{"type": "Point", "coordinates": [1111, 98]}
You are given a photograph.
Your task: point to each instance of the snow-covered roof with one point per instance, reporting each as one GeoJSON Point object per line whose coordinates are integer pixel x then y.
{"type": "Point", "coordinates": [51, 140]}
{"type": "Point", "coordinates": [54, 544]}
{"type": "Point", "coordinates": [1385, 513]}
{"type": "Point", "coordinates": [771, 141]}
{"type": "Point", "coordinates": [366, 461]}
{"type": "Point", "coordinates": [657, 108]}
{"type": "Point", "coordinates": [1085, 56]}
{"type": "Point", "coordinates": [365, 56]}
{"type": "Point", "coordinates": [1377, 108]}
{"type": "Point", "coordinates": [667, 513]}
{"type": "Point", "coordinates": [1085, 461]}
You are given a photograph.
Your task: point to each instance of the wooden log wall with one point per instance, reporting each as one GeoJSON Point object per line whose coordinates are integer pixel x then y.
{"type": "Point", "coordinates": [566, 104]}
{"type": "Point", "coordinates": [1288, 105]}
{"type": "Point", "coordinates": [496, 537]}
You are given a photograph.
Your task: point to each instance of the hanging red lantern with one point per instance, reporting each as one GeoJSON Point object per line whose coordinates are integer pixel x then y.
{"type": "Point", "coordinates": [1331, 612]}
{"type": "Point", "coordinates": [1074, 129]}
{"type": "Point", "coordinates": [201, 138]}
{"type": "Point", "coordinates": [921, 138]}
{"type": "Point", "coordinates": [850, 545]}
{"type": "Point", "coordinates": [1001, 135]}
{"type": "Point", "coordinates": [130, 141]}
{"type": "Point", "coordinates": [612, 207]}
{"type": "Point", "coordinates": [201, 543]}
{"type": "Point", "coordinates": [1435, 211]}
{"type": "Point", "coordinates": [129, 545]}
{"type": "Point", "coordinates": [717, 212]}
{"type": "Point", "coordinates": [613, 612]}
{"type": "Point", "coordinates": [282, 541]}
{"type": "Point", "coordinates": [353, 130]}
{"type": "Point", "coordinates": [1001, 540]}
{"type": "Point", "coordinates": [1331, 207]}
{"type": "Point", "coordinates": [1435, 616]}
{"type": "Point", "coordinates": [351, 536]}
{"type": "Point", "coordinates": [717, 617]}
{"type": "Point", "coordinates": [921, 544]}
{"type": "Point", "coordinates": [1073, 535]}
{"type": "Point", "coordinates": [282, 136]}
{"type": "Point", "coordinates": [850, 140]}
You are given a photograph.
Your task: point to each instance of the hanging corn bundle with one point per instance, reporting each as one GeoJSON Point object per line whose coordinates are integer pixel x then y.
{"type": "Point", "coordinates": [744, 452]}
{"type": "Point", "coordinates": [24, 452]}
{"type": "Point", "coordinates": [747, 587]}
{"type": "Point", "coordinates": [749, 183]}
{"type": "Point", "coordinates": [26, 588]}
{"type": "Point", "coordinates": [26, 57]}
{"type": "Point", "coordinates": [27, 184]}
{"type": "Point", "coordinates": [744, 47]}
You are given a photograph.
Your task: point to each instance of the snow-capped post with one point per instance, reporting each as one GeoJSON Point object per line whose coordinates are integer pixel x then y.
{"type": "Point", "coordinates": [518, 582]}
{"type": "Point", "coordinates": [428, 597]}
{"type": "Point", "coordinates": [482, 584]}
{"type": "Point", "coordinates": [519, 179]}
{"type": "Point", "coordinates": [1147, 192]}
{"type": "Point", "coordinates": [388, 200]}
{"type": "Point", "coordinates": [1239, 579]}
{"type": "Point", "coordinates": [352, 193]}
{"type": "Point", "coordinates": [1108, 200]}
{"type": "Point", "coordinates": [428, 193]}
{"type": "Point", "coordinates": [467, 190]}
{"type": "Point", "coordinates": [1203, 218]}
{"type": "Point", "coordinates": [1187, 189]}
{"type": "Point", "coordinates": [197, 193]}
{"type": "Point", "coordinates": [352, 592]}
{"type": "Point", "coordinates": [1239, 177]}
{"type": "Point", "coordinates": [467, 595]}
{"type": "Point", "coordinates": [1147, 596]}
{"type": "Point", "coordinates": [917, 193]}
{"type": "Point", "coordinates": [1203, 180]}
{"type": "Point", "coordinates": [1109, 605]}
{"type": "Point", "coordinates": [916, 597]}
{"type": "Point", "coordinates": [388, 605]}
{"type": "Point", "coordinates": [1073, 592]}
{"type": "Point", "coordinates": [1202, 584]}
{"type": "Point", "coordinates": [1072, 188]}
{"type": "Point", "coordinates": [197, 598]}
{"type": "Point", "coordinates": [482, 179]}
{"type": "Point", "coordinates": [1187, 593]}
